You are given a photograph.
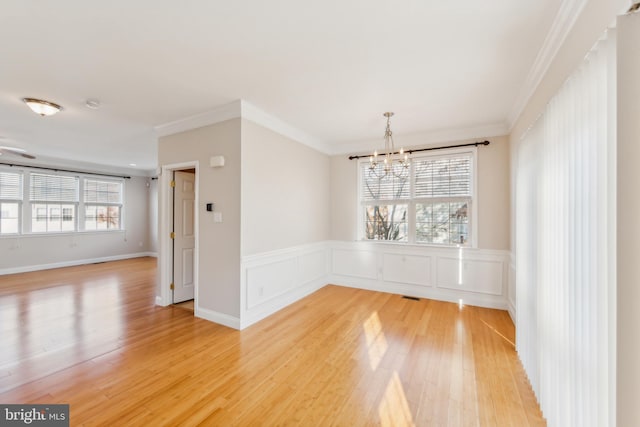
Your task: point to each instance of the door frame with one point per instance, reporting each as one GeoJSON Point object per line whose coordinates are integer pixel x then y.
{"type": "Point", "coordinates": [165, 225]}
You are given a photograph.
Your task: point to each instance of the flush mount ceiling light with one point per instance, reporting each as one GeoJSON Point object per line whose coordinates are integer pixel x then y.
{"type": "Point", "coordinates": [44, 108]}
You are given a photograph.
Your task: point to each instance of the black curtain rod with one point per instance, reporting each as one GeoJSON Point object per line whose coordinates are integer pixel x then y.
{"type": "Point", "coordinates": [475, 144]}
{"type": "Point", "coordinates": [64, 170]}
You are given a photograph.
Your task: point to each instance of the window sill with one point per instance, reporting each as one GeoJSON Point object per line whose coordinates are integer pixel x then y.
{"type": "Point", "coordinates": [417, 245]}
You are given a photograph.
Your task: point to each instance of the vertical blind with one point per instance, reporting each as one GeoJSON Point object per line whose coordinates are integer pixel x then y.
{"type": "Point", "coordinates": [563, 194]}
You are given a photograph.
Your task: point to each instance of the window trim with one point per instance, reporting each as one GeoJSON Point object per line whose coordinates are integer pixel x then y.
{"type": "Point", "coordinates": [411, 202]}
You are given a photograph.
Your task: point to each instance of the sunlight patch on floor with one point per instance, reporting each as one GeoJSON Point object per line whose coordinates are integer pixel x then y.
{"type": "Point", "coordinates": [394, 408]}
{"type": "Point", "coordinates": [376, 342]}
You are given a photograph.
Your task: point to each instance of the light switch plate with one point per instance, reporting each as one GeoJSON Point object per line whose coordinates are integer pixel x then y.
{"type": "Point", "coordinates": [217, 217]}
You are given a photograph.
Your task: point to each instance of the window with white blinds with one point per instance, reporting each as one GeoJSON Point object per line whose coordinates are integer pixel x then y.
{"type": "Point", "coordinates": [54, 202]}
{"type": "Point", "coordinates": [429, 202]}
{"type": "Point", "coordinates": [36, 202]}
{"type": "Point", "coordinates": [10, 202]}
{"type": "Point", "coordinates": [102, 204]}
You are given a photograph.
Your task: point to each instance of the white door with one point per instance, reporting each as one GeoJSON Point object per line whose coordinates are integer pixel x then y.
{"type": "Point", "coordinates": [184, 238]}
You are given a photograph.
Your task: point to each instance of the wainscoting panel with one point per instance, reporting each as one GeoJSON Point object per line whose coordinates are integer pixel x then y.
{"type": "Point", "coordinates": [270, 280]}
{"type": "Point", "coordinates": [355, 263]}
{"type": "Point", "coordinates": [312, 266]}
{"type": "Point", "coordinates": [470, 275]}
{"type": "Point", "coordinates": [511, 288]}
{"type": "Point", "coordinates": [273, 280]}
{"type": "Point", "coordinates": [462, 275]}
{"type": "Point", "coordinates": [412, 269]}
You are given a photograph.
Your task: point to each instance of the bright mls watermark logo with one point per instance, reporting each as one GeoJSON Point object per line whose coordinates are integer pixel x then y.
{"type": "Point", "coordinates": [34, 415]}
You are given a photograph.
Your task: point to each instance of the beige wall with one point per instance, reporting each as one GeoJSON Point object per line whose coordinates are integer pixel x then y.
{"type": "Point", "coordinates": [219, 243]}
{"type": "Point", "coordinates": [344, 198]}
{"type": "Point", "coordinates": [628, 235]}
{"type": "Point", "coordinates": [494, 194]}
{"type": "Point", "coordinates": [285, 191]}
{"type": "Point", "coordinates": [493, 200]}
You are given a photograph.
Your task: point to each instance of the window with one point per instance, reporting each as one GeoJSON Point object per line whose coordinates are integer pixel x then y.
{"type": "Point", "coordinates": [50, 195]}
{"type": "Point", "coordinates": [429, 201]}
{"type": "Point", "coordinates": [102, 205]}
{"type": "Point", "coordinates": [53, 203]}
{"type": "Point", "coordinates": [10, 202]}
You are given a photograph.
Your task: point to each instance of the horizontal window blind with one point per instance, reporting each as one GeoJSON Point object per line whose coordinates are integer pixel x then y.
{"type": "Point", "coordinates": [389, 187]}
{"type": "Point", "coordinates": [429, 200]}
{"type": "Point", "coordinates": [102, 192]}
{"type": "Point", "coordinates": [10, 186]}
{"type": "Point", "coordinates": [443, 177]}
{"type": "Point", "coordinates": [53, 188]}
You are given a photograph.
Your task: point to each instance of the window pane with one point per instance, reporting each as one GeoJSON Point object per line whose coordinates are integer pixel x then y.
{"type": "Point", "coordinates": [102, 217]}
{"type": "Point", "coordinates": [9, 218]}
{"type": "Point", "coordinates": [443, 177]}
{"type": "Point", "coordinates": [386, 222]}
{"type": "Point", "coordinates": [443, 223]}
{"type": "Point", "coordinates": [378, 185]}
{"type": "Point", "coordinates": [10, 186]}
{"type": "Point", "coordinates": [52, 217]}
{"type": "Point", "coordinates": [102, 191]}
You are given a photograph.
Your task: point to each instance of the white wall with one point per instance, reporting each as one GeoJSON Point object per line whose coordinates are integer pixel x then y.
{"type": "Point", "coordinates": [219, 243]}
{"type": "Point", "coordinates": [285, 192]}
{"type": "Point", "coordinates": [30, 252]}
{"type": "Point", "coordinates": [492, 200]}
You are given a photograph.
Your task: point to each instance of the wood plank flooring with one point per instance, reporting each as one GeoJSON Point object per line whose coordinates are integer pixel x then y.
{"type": "Point", "coordinates": [92, 337]}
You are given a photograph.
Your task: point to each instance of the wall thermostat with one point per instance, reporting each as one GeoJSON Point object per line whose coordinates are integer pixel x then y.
{"type": "Point", "coordinates": [209, 207]}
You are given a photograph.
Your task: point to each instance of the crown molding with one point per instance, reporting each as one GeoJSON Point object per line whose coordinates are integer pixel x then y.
{"type": "Point", "coordinates": [245, 110]}
{"type": "Point", "coordinates": [220, 114]}
{"type": "Point", "coordinates": [560, 28]}
{"type": "Point", "coordinates": [420, 139]}
{"type": "Point", "coordinates": [256, 115]}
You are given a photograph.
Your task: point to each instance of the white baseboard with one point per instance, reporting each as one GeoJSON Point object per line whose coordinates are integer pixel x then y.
{"type": "Point", "coordinates": [478, 300]}
{"type": "Point", "coordinates": [216, 317]}
{"type": "Point", "coordinates": [512, 311]}
{"type": "Point", "coordinates": [38, 267]}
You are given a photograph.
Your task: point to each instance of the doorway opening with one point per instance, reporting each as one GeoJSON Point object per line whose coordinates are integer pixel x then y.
{"type": "Point", "coordinates": [178, 236]}
{"type": "Point", "coordinates": [183, 236]}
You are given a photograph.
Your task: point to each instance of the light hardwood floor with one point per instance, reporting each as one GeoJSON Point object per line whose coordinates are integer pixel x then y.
{"type": "Point", "coordinates": [92, 337]}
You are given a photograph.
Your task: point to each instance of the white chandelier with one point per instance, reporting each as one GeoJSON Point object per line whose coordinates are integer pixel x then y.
{"type": "Point", "coordinates": [394, 163]}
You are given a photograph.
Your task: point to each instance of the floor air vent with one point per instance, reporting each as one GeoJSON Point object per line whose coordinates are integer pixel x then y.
{"type": "Point", "coordinates": [411, 298]}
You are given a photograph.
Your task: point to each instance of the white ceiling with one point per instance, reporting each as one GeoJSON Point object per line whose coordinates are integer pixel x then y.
{"type": "Point", "coordinates": [329, 68]}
